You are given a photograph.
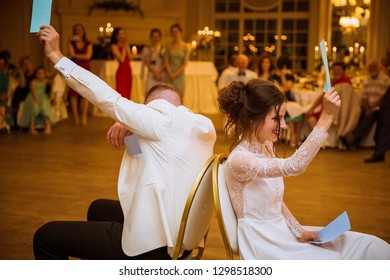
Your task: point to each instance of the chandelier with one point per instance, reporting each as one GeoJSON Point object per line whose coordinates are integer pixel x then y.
{"type": "Point", "coordinates": [353, 14]}
{"type": "Point", "coordinates": [349, 23]}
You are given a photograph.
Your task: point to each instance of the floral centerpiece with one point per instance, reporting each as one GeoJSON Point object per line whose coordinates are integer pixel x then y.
{"type": "Point", "coordinates": [203, 44]}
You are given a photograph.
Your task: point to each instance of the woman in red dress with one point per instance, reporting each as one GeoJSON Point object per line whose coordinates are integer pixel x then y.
{"type": "Point", "coordinates": [121, 50]}
{"type": "Point", "coordinates": [80, 51]}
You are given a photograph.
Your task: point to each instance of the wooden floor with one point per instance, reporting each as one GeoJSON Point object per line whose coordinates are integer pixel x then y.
{"type": "Point", "coordinates": [45, 178]}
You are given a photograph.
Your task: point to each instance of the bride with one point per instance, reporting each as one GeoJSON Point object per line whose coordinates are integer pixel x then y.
{"type": "Point", "coordinates": [254, 177]}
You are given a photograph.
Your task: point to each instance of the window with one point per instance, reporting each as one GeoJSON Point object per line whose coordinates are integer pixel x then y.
{"type": "Point", "coordinates": [279, 27]}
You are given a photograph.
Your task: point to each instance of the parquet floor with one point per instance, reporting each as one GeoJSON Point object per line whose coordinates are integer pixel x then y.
{"type": "Point", "coordinates": [55, 177]}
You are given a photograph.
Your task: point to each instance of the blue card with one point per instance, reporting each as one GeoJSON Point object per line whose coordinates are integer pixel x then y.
{"type": "Point", "coordinates": [41, 12]}
{"type": "Point", "coordinates": [334, 229]}
{"type": "Point", "coordinates": [326, 65]}
{"type": "Point", "coordinates": [132, 145]}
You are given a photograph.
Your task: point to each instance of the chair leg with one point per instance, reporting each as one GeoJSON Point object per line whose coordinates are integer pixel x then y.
{"type": "Point", "coordinates": [201, 249]}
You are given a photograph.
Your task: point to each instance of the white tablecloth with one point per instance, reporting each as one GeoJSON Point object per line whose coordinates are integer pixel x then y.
{"type": "Point", "coordinates": [200, 94]}
{"type": "Point", "coordinates": [305, 97]}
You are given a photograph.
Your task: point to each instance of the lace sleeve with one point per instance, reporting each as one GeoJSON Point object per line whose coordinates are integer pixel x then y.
{"type": "Point", "coordinates": [294, 226]}
{"type": "Point", "coordinates": [246, 165]}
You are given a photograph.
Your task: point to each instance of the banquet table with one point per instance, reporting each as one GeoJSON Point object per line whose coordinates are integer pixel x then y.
{"type": "Point", "coordinates": [200, 93]}
{"type": "Point", "coordinates": [305, 97]}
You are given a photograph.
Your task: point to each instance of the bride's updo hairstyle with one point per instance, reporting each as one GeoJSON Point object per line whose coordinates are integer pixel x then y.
{"type": "Point", "coordinates": [247, 105]}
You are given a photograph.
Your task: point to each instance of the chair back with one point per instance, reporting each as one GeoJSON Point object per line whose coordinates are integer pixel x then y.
{"type": "Point", "coordinates": [197, 213]}
{"type": "Point", "coordinates": [226, 217]}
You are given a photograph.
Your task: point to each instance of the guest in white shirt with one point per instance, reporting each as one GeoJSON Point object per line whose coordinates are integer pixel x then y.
{"type": "Point", "coordinates": [374, 87]}
{"type": "Point", "coordinates": [222, 79]}
{"type": "Point", "coordinates": [153, 185]}
{"type": "Point", "coordinates": [242, 73]}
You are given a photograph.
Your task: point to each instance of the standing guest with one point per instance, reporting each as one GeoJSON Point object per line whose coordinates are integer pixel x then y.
{"type": "Point", "coordinates": [382, 133]}
{"type": "Point", "coordinates": [120, 48]}
{"type": "Point", "coordinates": [153, 58]}
{"type": "Point", "coordinates": [265, 67]}
{"type": "Point", "coordinates": [153, 185]}
{"type": "Point", "coordinates": [254, 178]}
{"type": "Point", "coordinates": [231, 68]}
{"type": "Point", "coordinates": [177, 55]}
{"type": "Point", "coordinates": [37, 104]}
{"type": "Point", "coordinates": [374, 88]}
{"type": "Point", "coordinates": [284, 78]}
{"type": "Point", "coordinates": [80, 51]}
{"type": "Point", "coordinates": [242, 73]}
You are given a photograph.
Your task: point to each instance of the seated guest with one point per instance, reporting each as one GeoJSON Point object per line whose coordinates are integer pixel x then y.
{"type": "Point", "coordinates": [153, 183]}
{"type": "Point", "coordinates": [265, 67]}
{"type": "Point", "coordinates": [284, 79]}
{"type": "Point", "coordinates": [13, 73]}
{"type": "Point", "coordinates": [374, 88]}
{"type": "Point", "coordinates": [4, 83]}
{"type": "Point", "coordinates": [231, 68]}
{"type": "Point", "coordinates": [26, 75]}
{"type": "Point", "coordinates": [11, 68]}
{"type": "Point", "coordinates": [349, 112]}
{"type": "Point", "coordinates": [242, 73]}
{"type": "Point", "coordinates": [37, 104]}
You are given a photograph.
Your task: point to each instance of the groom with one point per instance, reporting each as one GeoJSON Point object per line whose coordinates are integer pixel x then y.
{"type": "Point", "coordinates": [152, 186]}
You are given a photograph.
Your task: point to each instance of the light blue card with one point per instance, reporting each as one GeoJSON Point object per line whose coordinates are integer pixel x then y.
{"type": "Point", "coordinates": [41, 12]}
{"type": "Point", "coordinates": [326, 65]}
{"type": "Point", "coordinates": [334, 229]}
{"type": "Point", "coordinates": [132, 145]}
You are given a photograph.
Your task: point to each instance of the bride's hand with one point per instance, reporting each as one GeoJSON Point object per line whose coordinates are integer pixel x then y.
{"type": "Point", "coordinates": [331, 102]}
{"type": "Point", "coordinates": [308, 236]}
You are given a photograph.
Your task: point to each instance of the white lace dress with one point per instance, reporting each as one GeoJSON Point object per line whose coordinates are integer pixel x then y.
{"type": "Point", "coordinates": [266, 228]}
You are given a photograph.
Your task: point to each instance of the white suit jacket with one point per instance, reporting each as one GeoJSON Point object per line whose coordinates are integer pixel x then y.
{"type": "Point", "coordinates": [153, 186]}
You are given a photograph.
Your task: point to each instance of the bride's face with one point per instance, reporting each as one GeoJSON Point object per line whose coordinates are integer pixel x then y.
{"type": "Point", "coordinates": [270, 129]}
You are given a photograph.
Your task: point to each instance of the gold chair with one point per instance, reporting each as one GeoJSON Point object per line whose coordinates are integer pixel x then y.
{"type": "Point", "coordinates": [197, 213]}
{"type": "Point", "coordinates": [226, 217]}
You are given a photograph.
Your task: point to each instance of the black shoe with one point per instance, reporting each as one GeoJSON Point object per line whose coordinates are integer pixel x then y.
{"type": "Point", "coordinates": [375, 158]}
{"type": "Point", "coordinates": [345, 142]}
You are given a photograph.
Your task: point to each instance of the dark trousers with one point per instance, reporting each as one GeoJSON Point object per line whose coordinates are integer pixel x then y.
{"type": "Point", "coordinates": [364, 126]}
{"type": "Point", "coordinates": [99, 238]}
{"type": "Point", "coordinates": [382, 136]}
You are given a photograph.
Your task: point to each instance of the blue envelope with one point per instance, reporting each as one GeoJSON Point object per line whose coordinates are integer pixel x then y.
{"type": "Point", "coordinates": [334, 229]}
